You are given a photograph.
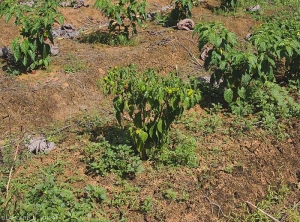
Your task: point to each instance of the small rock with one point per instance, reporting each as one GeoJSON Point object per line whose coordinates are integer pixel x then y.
{"type": "Point", "coordinates": [253, 8]}
{"type": "Point", "coordinates": [39, 144]}
{"type": "Point", "coordinates": [54, 50]}
{"type": "Point", "coordinates": [186, 24]}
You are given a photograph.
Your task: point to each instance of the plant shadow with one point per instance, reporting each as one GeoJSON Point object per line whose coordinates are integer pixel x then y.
{"type": "Point", "coordinates": [105, 37]}
{"type": "Point", "coordinates": [212, 93]}
{"type": "Point", "coordinates": [113, 134]}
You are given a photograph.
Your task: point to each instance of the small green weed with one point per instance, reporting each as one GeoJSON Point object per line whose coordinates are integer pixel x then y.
{"type": "Point", "coordinates": [207, 124]}
{"type": "Point", "coordinates": [179, 151]}
{"type": "Point", "coordinates": [103, 158]}
{"type": "Point", "coordinates": [170, 194]}
{"type": "Point", "coordinates": [274, 205]}
{"type": "Point", "coordinates": [45, 201]}
{"type": "Point", "coordinates": [95, 193]}
{"type": "Point", "coordinates": [73, 65]}
{"type": "Point", "coordinates": [126, 196]}
{"type": "Point", "coordinates": [147, 205]}
{"type": "Point", "coordinates": [108, 39]}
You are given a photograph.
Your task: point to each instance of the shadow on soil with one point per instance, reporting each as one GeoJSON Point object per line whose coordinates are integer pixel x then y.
{"type": "Point", "coordinates": [106, 38]}
{"type": "Point", "coordinates": [211, 94]}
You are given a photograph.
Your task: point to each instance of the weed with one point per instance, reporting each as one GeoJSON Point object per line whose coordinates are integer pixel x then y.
{"type": "Point", "coordinates": [228, 169]}
{"type": "Point", "coordinates": [273, 204]}
{"type": "Point", "coordinates": [46, 201]}
{"type": "Point", "coordinates": [95, 193]}
{"type": "Point", "coordinates": [108, 39]}
{"type": "Point", "coordinates": [206, 124]}
{"type": "Point", "coordinates": [147, 205]}
{"type": "Point", "coordinates": [179, 151]}
{"type": "Point", "coordinates": [126, 197]}
{"type": "Point", "coordinates": [103, 158]}
{"type": "Point", "coordinates": [170, 194]}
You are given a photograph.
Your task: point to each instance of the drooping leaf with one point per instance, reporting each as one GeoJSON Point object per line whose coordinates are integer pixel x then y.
{"type": "Point", "coordinates": [160, 126]}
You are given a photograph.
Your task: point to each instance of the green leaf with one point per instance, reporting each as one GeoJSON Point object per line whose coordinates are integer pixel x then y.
{"type": "Point", "coordinates": [218, 42]}
{"type": "Point", "coordinates": [289, 50]}
{"type": "Point", "coordinates": [44, 51]}
{"type": "Point", "coordinates": [119, 20]}
{"type": "Point", "coordinates": [143, 136]}
{"type": "Point", "coordinates": [228, 95]}
{"type": "Point", "coordinates": [246, 78]}
{"type": "Point", "coordinates": [159, 126]}
{"type": "Point", "coordinates": [242, 92]}
{"type": "Point", "coordinates": [151, 130]}
{"type": "Point", "coordinates": [187, 103]}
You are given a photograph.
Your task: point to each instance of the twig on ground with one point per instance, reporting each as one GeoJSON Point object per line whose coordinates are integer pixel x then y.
{"type": "Point", "coordinates": [260, 210]}
{"type": "Point", "coordinates": [189, 40]}
{"type": "Point", "coordinates": [63, 128]}
{"type": "Point", "coordinates": [7, 116]}
{"type": "Point", "coordinates": [286, 215]}
{"type": "Point", "coordinates": [12, 167]}
{"type": "Point", "coordinates": [191, 54]}
{"type": "Point", "coordinates": [214, 204]}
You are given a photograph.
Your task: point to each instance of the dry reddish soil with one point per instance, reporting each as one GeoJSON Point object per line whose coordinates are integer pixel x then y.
{"type": "Point", "coordinates": [53, 98]}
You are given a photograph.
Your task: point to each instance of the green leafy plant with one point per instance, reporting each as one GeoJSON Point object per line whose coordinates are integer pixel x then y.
{"type": "Point", "coordinates": [278, 46]}
{"type": "Point", "coordinates": [123, 13]}
{"type": "Point", "coordinates": [31, 49]}
{"type": "Point", "coordinates": [95, 193]}
{"type": "Point", "coordinates": [229, 4]}
{"type": "Point", "coordinates": [268, 98]}
{"type": "Point", "coordinates": [46, 201]}
{"type": "Point", "coordinates": [274, 204]}
{"type": "Point", "coordinates": [181, 10]}
{"type": "Point", "coordinates": [170, 194]}
{"type": "Point", "coordinates": [147, 205]}
{"type": "Point", "coordinates": [127, 196]}
{"type": "Point", "coordinates": [103, 158]}
{"type": "Point", "coordinates": [180, 151]}
{"type": "Point", "coordinates": [152, 103]}
{"type": "Point", "coordinates": [236, 68]}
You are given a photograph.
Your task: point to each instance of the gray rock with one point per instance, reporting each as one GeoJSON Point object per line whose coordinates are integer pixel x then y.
{"type": "Point", "coordinates": [186, 24]}
{"type": "Point", "coordinates": [66, 31]}
{"type": "Point", "coordinates": [39, 144]}
{"type": "Point", "coordinates": [253, 8]}
{"type": "Point", "coordinates": [54, 50]}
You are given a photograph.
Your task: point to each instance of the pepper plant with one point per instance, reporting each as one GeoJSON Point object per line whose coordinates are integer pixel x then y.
{"type": "Point", "coordinates": [152, 103]}
{"type": "Point", "coordinates": [183, 9]}
{"type": "Point", "coordinates": [271, 45]}
{"type": "Point", "coordinates": [123, 13]}
{"type": "Point", "coordinates": [31, 49]}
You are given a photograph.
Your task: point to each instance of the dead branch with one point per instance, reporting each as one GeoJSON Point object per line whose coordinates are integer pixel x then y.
{"type": "Point", "coordinates": [12, 167]}
{"type": "Point", "coordinates": [212, 204]}
{"type": "Point", "coordinates": [191, 54]}
{"type": "Point", "coordinates": [286, 215]}
{"type": "Point", "coordinates": [260, 210]}
{"type": "Point", "coordinates": [62, 129]}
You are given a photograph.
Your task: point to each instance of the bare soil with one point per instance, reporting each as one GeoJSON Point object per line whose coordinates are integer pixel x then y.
{"type": "Point", "coordinates": [52, 98]}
